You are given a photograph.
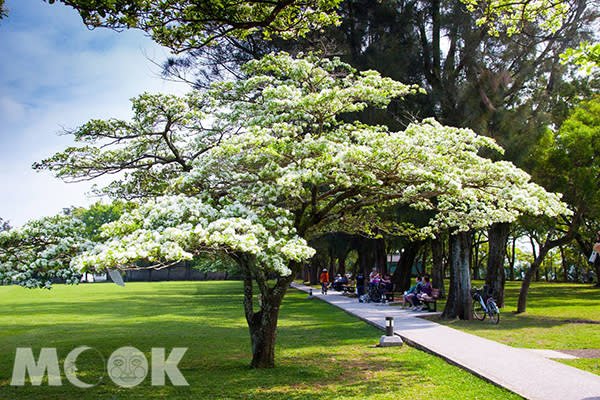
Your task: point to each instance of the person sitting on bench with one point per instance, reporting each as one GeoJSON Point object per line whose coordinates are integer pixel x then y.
{"type": "Point", "coordinates": [424, 294]}
{"type": "Point", "coordinates": [412, 292]}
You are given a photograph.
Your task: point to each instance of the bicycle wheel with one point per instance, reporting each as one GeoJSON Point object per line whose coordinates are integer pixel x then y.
{"type": "Point", "coordinates": [494, 311]}
{"type": "Point", "coordinates": [478, 310]}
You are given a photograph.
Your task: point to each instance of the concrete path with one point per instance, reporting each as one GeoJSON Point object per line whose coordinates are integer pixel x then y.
{"type": "Point", "coordinates": [521, 371]}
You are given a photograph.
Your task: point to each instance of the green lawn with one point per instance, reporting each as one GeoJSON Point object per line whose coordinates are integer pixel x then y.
{"type": "Point", "coordinates": [559, 316]}
{"type": "Point", "coordinates": [321, 353]}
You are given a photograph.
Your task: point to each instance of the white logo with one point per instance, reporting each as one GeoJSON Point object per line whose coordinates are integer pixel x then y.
{"type": "Point", "coordinates": [126, 367]}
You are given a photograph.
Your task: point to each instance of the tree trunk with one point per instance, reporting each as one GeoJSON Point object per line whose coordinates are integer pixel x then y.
{"type": "Point", "coordinates": [597, 270]}
{"type": "Point", "coordinates": [331, 262]}
{"type": "Point", "coordinates": [423, 259]}
{"type": "Point", "coordinates": [437, 270]}
{"type": "Point", "coordinates": [263, 323]}
{"type": "Point", "coordinates": [313, 271]}
{"type": "Point", "coordinates": [563, 263]}
{"type": "Point", "coordinates": [366, 254]}
{"type": "Point", "coordinates": [529, 276]}
{"type": "Point", "coordinates": [380, 256]}
{"type": "Point", "coordinates": [459, 304]}
{"type": "Point", "coordinates": [263, 332]}
{"type": "Point", "coordinates": [475, 257]}
{"type": "Point", "coordinates": [401, 277]}
{"type": "Point", "coordinates": [512, 259]}
{"type": "Point", "coordinates": [342, 264]}
{"type": "Point", "coordinates": [534, 268]}
{"type": "Point", "coordinates": [495, 276]}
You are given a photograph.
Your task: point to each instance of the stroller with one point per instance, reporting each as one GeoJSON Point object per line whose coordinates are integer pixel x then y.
{"type": "Point", "coordinates": [375, 294]}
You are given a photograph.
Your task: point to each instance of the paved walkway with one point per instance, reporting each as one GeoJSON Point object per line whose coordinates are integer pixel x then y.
{"type": "Point", "coordinates": [523, 372]}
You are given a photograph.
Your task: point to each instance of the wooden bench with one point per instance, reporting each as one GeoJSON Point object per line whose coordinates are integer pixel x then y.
{"type": "Point", "coordinates": [435, 295]}
{"type": "Point", "coordinates": [389, 295]}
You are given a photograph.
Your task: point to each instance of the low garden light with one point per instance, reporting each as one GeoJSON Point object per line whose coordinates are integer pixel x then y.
{"type": "Point", "coordinates": [389, 339]}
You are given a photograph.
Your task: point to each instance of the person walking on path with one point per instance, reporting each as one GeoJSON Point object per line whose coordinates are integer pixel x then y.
{"type": "Point", "coordinates": [324, 279]}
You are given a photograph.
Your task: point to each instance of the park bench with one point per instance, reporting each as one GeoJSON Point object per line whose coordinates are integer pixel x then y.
{"type": "Point", "coordinates": [435, 295]}
{"type": "Point", "coordinates": [389, 295]}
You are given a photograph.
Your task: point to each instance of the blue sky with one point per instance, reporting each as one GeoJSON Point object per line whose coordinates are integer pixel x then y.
{"type": "Point", "coordinates": [55, 74]}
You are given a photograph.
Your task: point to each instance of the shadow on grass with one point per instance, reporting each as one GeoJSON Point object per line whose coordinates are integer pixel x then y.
{"type": "Point", "coordinates": [216, 347]}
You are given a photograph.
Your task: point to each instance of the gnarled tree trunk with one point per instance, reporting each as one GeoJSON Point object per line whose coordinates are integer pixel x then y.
{"type": "Point", "coordinates": [495, 276]}
{"type": "Point", "coordinates": [459, 303]}
{"type": "Point", "coordinates": [263, 323]}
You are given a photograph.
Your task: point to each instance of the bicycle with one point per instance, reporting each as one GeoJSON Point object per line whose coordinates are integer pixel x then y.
{"type": "Point", "coordinates": [482, 308]}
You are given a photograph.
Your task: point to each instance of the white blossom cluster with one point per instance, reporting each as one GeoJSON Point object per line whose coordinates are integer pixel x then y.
{"type": "Point", "coordinates": [41, 251]}
{"type": "Point", "coordinates": [429, 166]}
{"type": "Point", "coordinates": [173, 228]}
{"type": "Point", "coordinates": [302, 95]}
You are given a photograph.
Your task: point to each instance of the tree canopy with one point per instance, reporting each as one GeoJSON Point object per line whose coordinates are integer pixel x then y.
{"type": "Point", "coordinates": [586, 56]}
{"type": "Point", "coordinates": [293, 152]}
{"type": "Point", "coordinates": [510, 17]}
{"type": "Point", "coordinates": [257, 167]}
{"type": "Point", "coordinates": [568, 158]}
{"type": "Point", "coordinates": [183, 25]}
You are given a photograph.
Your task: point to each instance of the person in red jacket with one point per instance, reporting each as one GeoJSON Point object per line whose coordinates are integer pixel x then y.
{"type": "Point", "coordinates": [324, 279]}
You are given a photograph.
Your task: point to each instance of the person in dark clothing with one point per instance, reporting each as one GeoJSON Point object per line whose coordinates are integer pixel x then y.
{"type": "Point", "coordinates": [360, 283]}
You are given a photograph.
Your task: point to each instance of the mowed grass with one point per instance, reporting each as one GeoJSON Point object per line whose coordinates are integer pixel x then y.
{"type": "Point", "coordinates": [322, 352]}
{"type": "Point", "coordinates": [559, 316]}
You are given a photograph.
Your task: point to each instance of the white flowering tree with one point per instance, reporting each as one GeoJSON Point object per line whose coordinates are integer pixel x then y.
{"type": "Point", "coordinates": [41, 251]}
{"type": "Point", "coordinates": [288, 169]}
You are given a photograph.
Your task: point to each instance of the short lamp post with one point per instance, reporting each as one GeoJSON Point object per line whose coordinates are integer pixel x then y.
{"type": "Point", "coordinates": [389, 326]}
{"type": "Point", "coordinates": [389, 339]}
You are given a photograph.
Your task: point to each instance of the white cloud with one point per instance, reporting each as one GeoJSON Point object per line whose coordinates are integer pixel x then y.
{"type": "Point", "coordinates": [59, 75]}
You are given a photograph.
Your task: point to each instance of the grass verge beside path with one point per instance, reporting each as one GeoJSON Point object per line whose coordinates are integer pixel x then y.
{"type": "Point", "coordinates": [322, 352]}
{"type": "Point", "coordinates": [559, 316]}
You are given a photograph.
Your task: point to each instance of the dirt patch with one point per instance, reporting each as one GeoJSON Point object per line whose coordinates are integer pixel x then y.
{"type": "Point", "coordinates": [582, 353]}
